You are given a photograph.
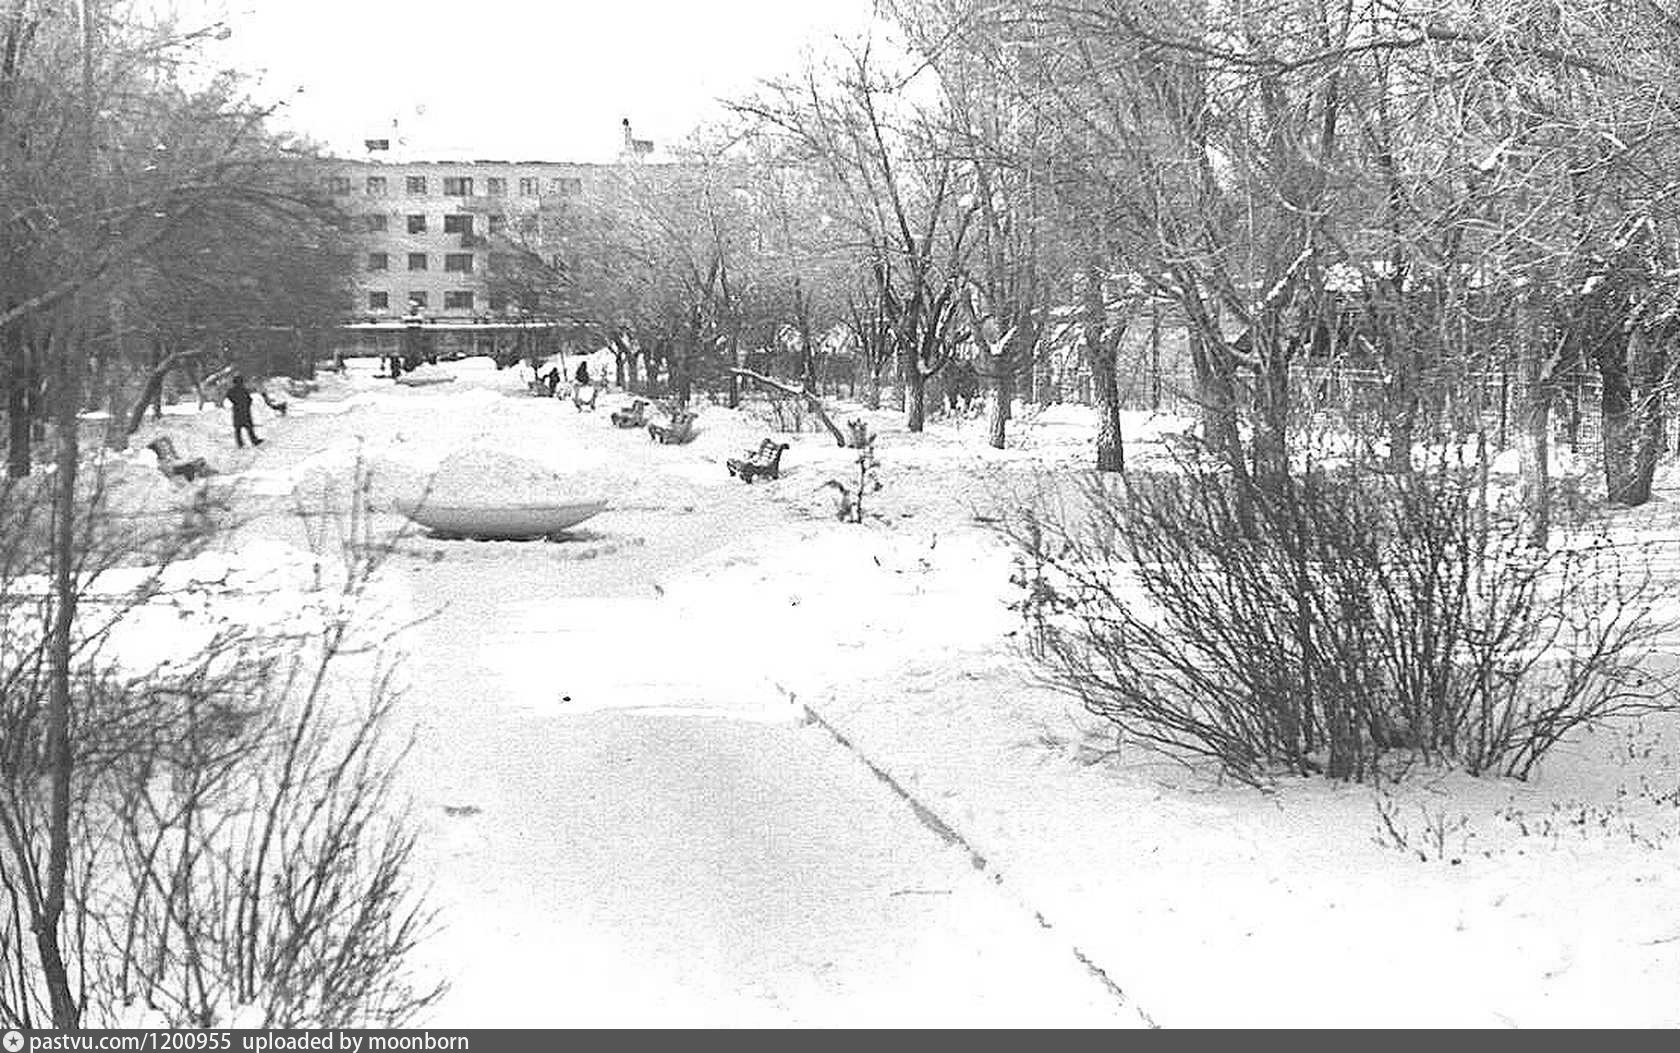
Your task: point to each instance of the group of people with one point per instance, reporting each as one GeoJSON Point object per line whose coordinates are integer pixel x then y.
{"type": "Point", "coordinates": [551, 379]}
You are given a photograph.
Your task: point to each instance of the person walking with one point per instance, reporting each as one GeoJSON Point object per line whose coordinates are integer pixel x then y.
{"type": "Point", "coordinates": [240, 396]}
{"type": "Point", "coordinates": [583, 373]}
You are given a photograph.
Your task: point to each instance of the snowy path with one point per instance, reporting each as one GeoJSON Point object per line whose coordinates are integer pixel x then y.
{"type": "Point", "coordinates": [622, 820]}
{"type": "Point", "coordinates": [628, 868]}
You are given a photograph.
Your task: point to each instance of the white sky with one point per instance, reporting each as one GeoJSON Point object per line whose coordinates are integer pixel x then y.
{"type": "Point", "coordinates": [517, 79]}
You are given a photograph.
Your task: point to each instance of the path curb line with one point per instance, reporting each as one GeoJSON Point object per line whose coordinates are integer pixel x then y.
{"type": "Point", "coordinates": [951, 836]}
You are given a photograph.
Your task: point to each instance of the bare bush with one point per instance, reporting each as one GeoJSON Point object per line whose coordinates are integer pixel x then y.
{"type": "Point", "coordinates": [1316, 623]}
{"type": "Point", "coordinates": [787, 416]}
{"type": "Point", "coordinates": [235, 852]}
{"type": "Point", "coordinates": [850, 496]}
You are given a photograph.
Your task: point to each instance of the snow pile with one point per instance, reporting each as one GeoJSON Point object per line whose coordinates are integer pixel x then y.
{"type": "Point", "coordinates": [485, 476]}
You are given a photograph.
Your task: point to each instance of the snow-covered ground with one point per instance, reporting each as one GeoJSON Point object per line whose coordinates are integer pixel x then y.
{"type": "Point", "coordinates": [636, 808]}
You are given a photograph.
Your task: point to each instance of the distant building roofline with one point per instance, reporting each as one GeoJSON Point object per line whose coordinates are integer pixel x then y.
{"type": "Point", "coordinates": [385, 162]}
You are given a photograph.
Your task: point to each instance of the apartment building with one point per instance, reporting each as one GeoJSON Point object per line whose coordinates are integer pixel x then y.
{"type": "Point", "coordinates": [430, 235]}
{"type": "Point", "coordinates": [425, 233]}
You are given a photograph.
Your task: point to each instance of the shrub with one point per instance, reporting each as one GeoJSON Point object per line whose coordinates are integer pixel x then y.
{"type": "Point", "coordinates": [1320, 622]}
{"type": "Point", "coordinates": [232, 853]}
{"type": "Point", "coordinates": [850, 497]}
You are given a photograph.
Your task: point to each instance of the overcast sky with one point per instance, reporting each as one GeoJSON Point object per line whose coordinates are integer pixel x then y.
{"type": "Point", "coordinates": [518, 79]}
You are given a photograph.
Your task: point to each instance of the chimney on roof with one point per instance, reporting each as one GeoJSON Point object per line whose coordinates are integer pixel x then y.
{"type": "Point", "coordinates": [634, 149]}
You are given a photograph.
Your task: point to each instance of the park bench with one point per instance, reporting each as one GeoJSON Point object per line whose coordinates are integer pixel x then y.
{"type": "Point", "coordinates": [765, 461]}
{"type": "Point", "coordinates": [631, 416]}
{"type": "Point", "coordinates": [678, 432]}
{"type": "Point", "coordinates": [583, 397]}
{"type": "Point", "coordinates": [171, 464]}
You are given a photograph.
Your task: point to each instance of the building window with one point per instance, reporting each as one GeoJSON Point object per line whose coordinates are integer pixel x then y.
{"type": "Point", "coordinates": [457, 224]}
{"type": "Point", "coordinates": [458, 301]}
{"type": "Point", "coordinates": [565, 186]}
{"type": "Point", "coordinates": [374, 222]}
{"type": "Point", "coordinates": [417, 224]}
{"type": "Point", "coordinates": [495, 186]}
{"type": "Point", "coordinates": [528, 187]}
{"type": "Point", "coordinates": [338, 184]}
{"type": "Point", "coordinates": [417, 186]}
{"type": "Point", "coordinates": [379, 301]}
{"type": "Point", "coordinates": [376, 186]}
{"type": "Point", "coordinates": [498, 223]}
{"type": "Point", "coordinates": [417, 261]}
{"type": "Point", "coordinates": [457, 186]}
{"type": "Point", "coordinates": [416, 299]}
{"type": "Point", "coordinates": [458, 262]}
{"type": "Point", "coordinates": [378, 261]}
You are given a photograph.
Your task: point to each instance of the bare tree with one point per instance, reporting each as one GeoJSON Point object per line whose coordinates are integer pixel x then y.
{"type": "Point", "coordinates": [890, 163]}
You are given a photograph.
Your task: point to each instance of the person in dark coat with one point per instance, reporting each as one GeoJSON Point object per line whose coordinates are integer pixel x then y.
{"type": "Point", "coordinates": [240, 396]}
{"type": "Point", "coordinates": [583, 373]}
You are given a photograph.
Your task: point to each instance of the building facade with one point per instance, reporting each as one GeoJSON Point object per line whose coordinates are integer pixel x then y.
{"type": "Point", "coordinates": [431, 236]}
{"type": "Point", "coordinates": [427, 232]}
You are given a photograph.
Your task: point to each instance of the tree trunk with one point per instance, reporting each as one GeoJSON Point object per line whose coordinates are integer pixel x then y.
{"type": "Point", "coordinates": [682, 368]}
{"type": "Point", "coordinates": [157, 356]}
{"type": "Point", "coordinates": [113, 374]}
{"type": "Point", "coordinates": [1403, 405]}
{"type": "Point", "coordinates": [1215, 393]}
{"type": "Point", "coordinates": [1653, 365]}
{"type": "Point", "coordinates": [150, 391]}
{"type": "Point", "coordinates": [1617, 424]}
{"type": "Point", "coordinates": [915, 391]}
{"type": "Point", "coordinates": [115, 383]}
{"type": "Point", "coordinates": [1271, 432]}
{"type": "Point", "coordinates": [622, 369]}
{"type": "Point", "coordinates": [999, 372]}
{"type": "Point", "coordinates": [654, 361]}
{"type": "Point", "coordinates": [736, 363]}
{"type": "Point", "coordinates": [1105, 383]}
{"type": "Point", "coordinates": [1534, 454]}
{"type": "Point", "coordinates": [60, 643]}
{"type": "Point", "coordinates": [807, 345]}
{"type": "Point", "coordinates": [1402, 431]}
{"type": "Point", "coordinates": [1154, 355]}
{"type": "Point", "coordinates": [18, 376]}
